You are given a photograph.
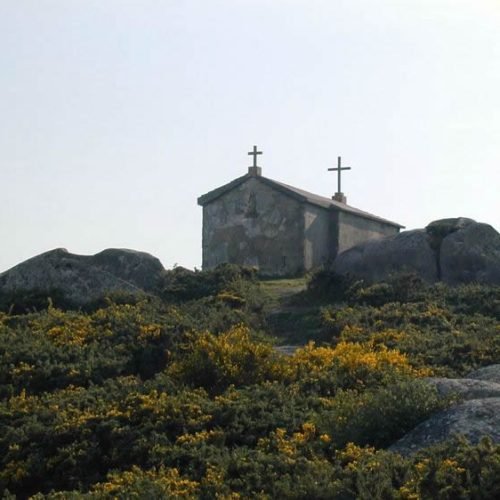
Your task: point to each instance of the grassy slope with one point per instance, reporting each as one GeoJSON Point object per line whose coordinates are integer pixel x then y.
{"type": "Point", "coordinates": [290, 317]}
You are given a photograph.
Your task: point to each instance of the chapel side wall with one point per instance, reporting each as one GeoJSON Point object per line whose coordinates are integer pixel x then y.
{"type": "Point", "coordinates": [317, 236]}
{"type": "Point", "coordinates": [353, 229]}
{"type": "Point", "coordinates": [254, 225]}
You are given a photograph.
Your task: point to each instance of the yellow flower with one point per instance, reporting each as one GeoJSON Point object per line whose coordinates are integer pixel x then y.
{"type": "Point", "coordinates": [325, 438]}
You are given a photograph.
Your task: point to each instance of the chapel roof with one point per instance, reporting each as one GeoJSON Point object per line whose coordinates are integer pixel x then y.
{"type": "Point", "coordinates": [296, 193]}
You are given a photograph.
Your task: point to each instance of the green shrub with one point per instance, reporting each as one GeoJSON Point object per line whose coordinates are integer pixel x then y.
{"type": "Point", "coordinates": [328, 286]}
{"type": "Point", "coordinates": [402, 287]}
{"type": "Point", "coordinates": [28, 301]}
{"type": "Point", "coordinates": [378, 416]}
{"type": "Point", "coordinates": [181, 284]}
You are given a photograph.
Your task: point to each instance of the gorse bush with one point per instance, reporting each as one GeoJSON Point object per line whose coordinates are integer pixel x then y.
{"type": "Point", "coordinates": [346, 366]}
{"type": "Point", "coordinates": [328, 286]}
{"type": "Point", "coordinates": [185, 396]}
{"type": "Point", "coordinates": [217, 361]}
{"type": "Point", "coordinates": [181, 284]}
{"type": "Point", "coordinates": [429, 334]}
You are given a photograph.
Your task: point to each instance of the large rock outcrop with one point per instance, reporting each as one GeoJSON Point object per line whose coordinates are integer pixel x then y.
{"type": "Point", "coordinates": [454, 251]}
{"type": "Point", "coordinates": [465, 388]}
{"type": "Point", "coordinates": [477, 413]}
{"type": "Point", "coordinates": [489, 373]}
{"type": "Point", "coordinates": [471, 254]}
{"type": "Point", "coordinates": [83, 278]}
{"type": "Point", "coordinates": [376, 260]}
{"type": "Point", "coordinates": [139, 268]}
{"type": "Point", "coordinates": [473, 419]}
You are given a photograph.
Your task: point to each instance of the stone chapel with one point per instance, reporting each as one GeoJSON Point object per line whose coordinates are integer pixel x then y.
{"type": "Point", "coordinates": [281, 230]}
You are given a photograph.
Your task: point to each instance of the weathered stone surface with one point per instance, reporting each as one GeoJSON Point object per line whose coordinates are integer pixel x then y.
{"type": "Point", "coordinates": [139, 268]}
{"type": "Point", "coordinates": [439, 229]}
{"type": "Point", "coordinates": [376, 260]}
{"type": "Point", "coordinates": [471, 254]}
{"type": "Point", "coordinates": [82, 278]}
{"type": "Point", "coordinates": [454, 251]}
{"type": "Point", "coordinates": [473, 419]}
{"type": "Point", "coordinates": [489, 373]}
{"type": "Point", "coordinates": [244, 225]}
{"type": "Point", "coordinates": [466, 388]}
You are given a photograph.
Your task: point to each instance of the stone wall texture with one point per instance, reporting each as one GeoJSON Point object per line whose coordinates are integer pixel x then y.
{"type": "Point", "coordinates": [255, 225]}
{"type": "Point", "coordinates": [353, 229]}
{"type": "Point", "coordinates": [318, 246]}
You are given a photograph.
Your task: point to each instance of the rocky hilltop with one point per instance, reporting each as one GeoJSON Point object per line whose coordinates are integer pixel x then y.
{"type": "Point", "coordinates": [83, 278]}
{"type": "Point", "coordinates": [454, 251]}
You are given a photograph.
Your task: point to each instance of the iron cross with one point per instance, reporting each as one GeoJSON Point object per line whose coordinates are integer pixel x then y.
{"type": "Point", "coordinates": [339, 170]}
{"type": "Point", "coordinates": [254, 153]}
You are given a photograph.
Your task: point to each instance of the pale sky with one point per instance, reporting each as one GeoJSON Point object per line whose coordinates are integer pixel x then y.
{"type": "Point", "coordinates": [115, 115]}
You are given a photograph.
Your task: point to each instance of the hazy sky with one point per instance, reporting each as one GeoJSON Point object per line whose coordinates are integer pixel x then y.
{"type": "Point", "coordinates": [116, 115]}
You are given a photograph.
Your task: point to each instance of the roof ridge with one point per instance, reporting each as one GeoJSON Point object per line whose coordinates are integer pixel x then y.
{"type": "Point", "coordinates": [317, 199]}
{"type": "Point", "coordinates": [305, 196]}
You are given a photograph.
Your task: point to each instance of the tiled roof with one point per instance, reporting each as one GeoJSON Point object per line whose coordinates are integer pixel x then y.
{"type": "Point", "coordinates": [296, 193]}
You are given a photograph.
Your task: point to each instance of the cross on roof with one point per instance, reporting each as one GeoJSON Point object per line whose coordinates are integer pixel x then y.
{"type": "Point", "coordinates": [254, 153]}
{"type": "Point", "coordinates": [339, 170]}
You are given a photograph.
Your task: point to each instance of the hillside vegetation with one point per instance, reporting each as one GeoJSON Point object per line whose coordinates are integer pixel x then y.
{"type": "Point", "coordinates": [185, 395]}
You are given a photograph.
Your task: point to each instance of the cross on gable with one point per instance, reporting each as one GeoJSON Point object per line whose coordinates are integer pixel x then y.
{"type": "Point", "coordinates": [339, 170]}
{"type": "Point", "coordinates": [254, 153]}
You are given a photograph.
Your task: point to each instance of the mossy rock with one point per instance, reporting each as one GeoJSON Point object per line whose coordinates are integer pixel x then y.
{"type": "Point", "coordinates": [439, 229]}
